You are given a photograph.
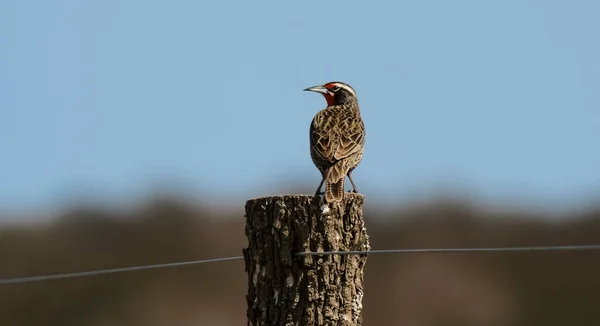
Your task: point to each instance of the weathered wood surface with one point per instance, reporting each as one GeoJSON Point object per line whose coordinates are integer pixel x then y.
{"type": "Point", "coordinates": [286, 289]}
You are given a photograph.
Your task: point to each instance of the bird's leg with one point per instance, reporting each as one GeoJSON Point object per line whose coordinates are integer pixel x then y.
{"type": "Point", "coordinates": [354, 189]}
{"type": "Point", "coordinates": [318, 192]}
{"type": "Point", "coordinates": [325, 175]}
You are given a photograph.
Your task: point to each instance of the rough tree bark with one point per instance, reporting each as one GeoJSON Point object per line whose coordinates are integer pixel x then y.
{"type": "Point", "coordinates": [287, 289]}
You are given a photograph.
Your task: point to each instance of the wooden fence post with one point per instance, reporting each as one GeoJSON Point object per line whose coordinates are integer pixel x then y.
{"type": "Point", "coordinates": [287, 289]}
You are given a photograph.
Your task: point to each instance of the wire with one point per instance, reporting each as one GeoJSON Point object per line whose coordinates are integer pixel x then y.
{"type": "Point", "coordinates": [324, 253]}
{"type": "Point", "coordinates": [452, 250]}
{"type": "Point", "coordinates": [110, 271]}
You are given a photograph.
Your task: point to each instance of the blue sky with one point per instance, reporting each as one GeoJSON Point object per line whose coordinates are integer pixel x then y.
{"type": "Point", "coordinates": [116, 97]}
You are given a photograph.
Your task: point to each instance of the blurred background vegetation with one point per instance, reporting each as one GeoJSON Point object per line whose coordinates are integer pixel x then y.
{"type": "Point", "coordinates": [529, 288]}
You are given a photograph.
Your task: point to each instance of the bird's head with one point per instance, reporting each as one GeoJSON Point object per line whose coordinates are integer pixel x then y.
{"type": "Point", "coordinates": [335, 92]}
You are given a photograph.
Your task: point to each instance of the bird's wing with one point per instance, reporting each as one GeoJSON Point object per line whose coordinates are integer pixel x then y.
{"type": "Point", "coordinates": [321, 136]}
{"type": "Point", "coordinates": [335, 136]}
{"type": "Point", "coordinates": [351, 139]}
{"type": "Point", "coordinates": [320, 139]}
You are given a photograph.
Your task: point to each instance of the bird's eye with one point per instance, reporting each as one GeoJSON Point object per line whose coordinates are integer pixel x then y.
{"type": "Point", "coordinates": [335, 88]}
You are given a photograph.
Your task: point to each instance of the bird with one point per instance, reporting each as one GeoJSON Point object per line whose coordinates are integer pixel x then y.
{"type": "Point", "coordinates": [337, 138]}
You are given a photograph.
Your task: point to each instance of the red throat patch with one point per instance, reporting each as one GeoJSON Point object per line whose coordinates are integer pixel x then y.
{"type": "Point", "coordinates": [328, 98]}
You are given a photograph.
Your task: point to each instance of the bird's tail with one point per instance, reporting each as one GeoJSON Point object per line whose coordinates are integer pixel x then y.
{"type": "Point", "coordinates": [334, 183]}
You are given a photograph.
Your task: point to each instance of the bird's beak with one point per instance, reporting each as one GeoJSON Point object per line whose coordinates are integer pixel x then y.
{"type": "Point", "coordinates": [318, 89]}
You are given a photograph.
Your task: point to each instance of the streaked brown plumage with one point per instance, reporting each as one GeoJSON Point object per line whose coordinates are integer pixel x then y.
{"type": "Point", "coordinates": [337, 138]}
